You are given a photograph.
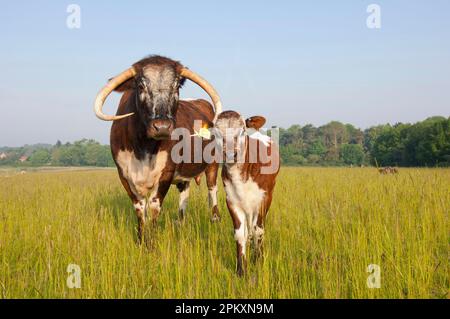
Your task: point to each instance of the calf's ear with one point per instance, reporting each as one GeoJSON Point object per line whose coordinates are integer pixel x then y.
{"type": "Point", "coordinates": [255, 122]}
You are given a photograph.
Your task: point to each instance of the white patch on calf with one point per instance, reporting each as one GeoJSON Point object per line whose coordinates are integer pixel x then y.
{"type": "Point", "coordinates": [241, 234]}
{"type": "Point", "coordinates": [246, 198]}
{"type": "Point", "coordinates": [257, 135]}
{"type": "Point", "coordinates": [244, 195]}
{"type": "Point", "coordinates": [258, 234]}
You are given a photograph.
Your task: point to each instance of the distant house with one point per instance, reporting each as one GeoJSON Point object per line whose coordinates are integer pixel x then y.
{"type": "Point", "coordinates": [23, 158]}
{"type": "Point", "coordinates": [3, 156]}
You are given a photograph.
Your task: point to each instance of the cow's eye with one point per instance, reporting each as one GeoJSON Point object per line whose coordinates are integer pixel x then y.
{"type": "Point", "coordinates": [142, 84]}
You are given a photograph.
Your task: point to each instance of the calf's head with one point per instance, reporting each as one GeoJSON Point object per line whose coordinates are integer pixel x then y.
{"type": "Point", "coordinates": [156, 82]}
{"type": "Point", "coordinates": [231, 129]}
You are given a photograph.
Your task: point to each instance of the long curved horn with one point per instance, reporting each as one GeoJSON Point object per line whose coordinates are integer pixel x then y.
{"type": "Point", "coordinates": [188, 74]}
{"type": "Point", "coordinates": [107, 89]}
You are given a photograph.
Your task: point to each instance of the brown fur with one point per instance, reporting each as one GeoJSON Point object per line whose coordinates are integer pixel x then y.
{"type": "Point", "coordinates": [255, 122]}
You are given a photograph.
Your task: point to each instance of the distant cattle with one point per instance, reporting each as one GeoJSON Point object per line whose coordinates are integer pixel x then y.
{"type": "Point", "coordinates": [248, 178]}
{"type": "Point", "coordinates": [388, 170]}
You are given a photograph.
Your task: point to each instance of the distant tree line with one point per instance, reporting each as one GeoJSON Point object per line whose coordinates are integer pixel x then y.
{"type": "Point", "coordinates": [80, 153]}
{"type": "Point", "coordinates": [425, 143]}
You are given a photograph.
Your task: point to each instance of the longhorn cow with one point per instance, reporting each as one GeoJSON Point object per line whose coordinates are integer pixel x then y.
{"type": "Point", "coordinates": [141, 144]}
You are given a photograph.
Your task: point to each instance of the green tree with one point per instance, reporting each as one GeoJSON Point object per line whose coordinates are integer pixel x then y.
{"type": "Point", "coordinates": [334, 134]}
{"type": "Point", "coordinates": [370, 136]}
{"type": "Point", "coordinates": [40, 157]}
{"type": "Point", "coordinates": [98, 155]}
{"type": "Point", "coordinates": [389, 146]}
{"type": "Point", "coordinates": [352, 154]}
{"type": "Point", "coordinates": [317, 148]}
{"type": "Point", "coordinates": [428, 143]}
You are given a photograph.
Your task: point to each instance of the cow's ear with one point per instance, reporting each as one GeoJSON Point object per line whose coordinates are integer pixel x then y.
{"type": "Point", "coordinates": [178, 68]}
{"type": "Point", "coordinates": [207, 124]}
{"type": "Point", "coordinates": [125, 86]}
{"type": "Point", "coordinates": [182, 81]}
{"type": "Point", "coordinates": [255, 122]}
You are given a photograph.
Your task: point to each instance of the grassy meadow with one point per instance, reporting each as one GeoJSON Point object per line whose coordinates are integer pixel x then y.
{"type": "Point", "coordinates": [325, 226]}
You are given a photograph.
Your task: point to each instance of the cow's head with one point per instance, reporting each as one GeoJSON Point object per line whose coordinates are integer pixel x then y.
{"type": "Point", "coordinates": [230, 129]}
{"type": "Point", "coordinates": [156, 82]}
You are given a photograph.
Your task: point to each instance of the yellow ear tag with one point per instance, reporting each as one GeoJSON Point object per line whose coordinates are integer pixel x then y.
{"type": "Point", "coordinates": [203, 133]}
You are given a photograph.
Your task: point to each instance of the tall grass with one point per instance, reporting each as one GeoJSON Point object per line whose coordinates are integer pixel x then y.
{"type": "Point", "coordinates": [325, 226]}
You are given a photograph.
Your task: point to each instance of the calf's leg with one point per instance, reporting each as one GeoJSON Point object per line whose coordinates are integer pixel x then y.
{"type": "Point", "coordinates": [258, 227]}
{"type": "Point", "coordinates": [258, 239]}
{"type": "Point", "coordinates": [241, 236]}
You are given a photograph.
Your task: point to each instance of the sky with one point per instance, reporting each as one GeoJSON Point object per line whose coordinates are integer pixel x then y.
{"type": "Point", "coordinates": [294, 62]}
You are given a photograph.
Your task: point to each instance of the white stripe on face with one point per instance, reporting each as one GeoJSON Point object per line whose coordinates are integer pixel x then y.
{"type": "Point", "coordinates": [161, 83]}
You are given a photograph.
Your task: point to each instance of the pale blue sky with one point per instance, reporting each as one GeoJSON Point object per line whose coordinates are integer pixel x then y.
{"type": "Point", "coordinates": [291, 61]}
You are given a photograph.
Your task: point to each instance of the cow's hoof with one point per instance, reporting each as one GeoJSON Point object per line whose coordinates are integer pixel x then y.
{"type": "Point", "coordinates": [179, 222]}
{"type": "Point", "coordinates": [181, 216]}
{"type": "Point", "coordinates": [240, 272]}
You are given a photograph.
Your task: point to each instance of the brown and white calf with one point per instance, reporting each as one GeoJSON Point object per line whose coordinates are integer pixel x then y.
{"type": "Point", "coordinates": [249, 174]}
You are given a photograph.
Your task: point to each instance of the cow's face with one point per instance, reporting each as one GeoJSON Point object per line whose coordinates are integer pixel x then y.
{"type": "Point", "coordinates": [230, 132]}
{"type": "Point", "coordinates": [158, 95]}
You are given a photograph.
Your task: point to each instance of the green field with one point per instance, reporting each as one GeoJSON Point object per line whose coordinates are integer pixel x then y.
{"type": "Point", "coordinates": [325, 226]}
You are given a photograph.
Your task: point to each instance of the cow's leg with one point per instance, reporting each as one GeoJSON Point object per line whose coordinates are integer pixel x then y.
{"type": "Point", "coordinates": [240, 235]}
{"type": "Point", "coordinates": [211, 182]}
{"type": "Point", "coordinates": [156, 199]}
{"type": "Point", "coordinates": [140, 206]}
{"type": "Point", "coordinates": [183, 187]}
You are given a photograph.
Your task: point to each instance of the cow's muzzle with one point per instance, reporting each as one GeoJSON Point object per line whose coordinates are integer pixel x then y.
{"type": "Point", "coordinates": [160, 129]}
